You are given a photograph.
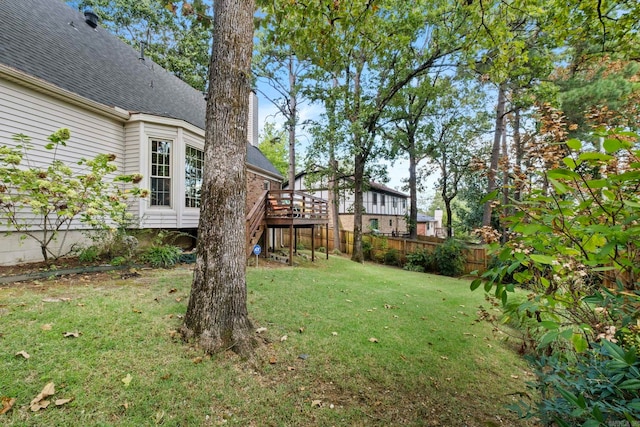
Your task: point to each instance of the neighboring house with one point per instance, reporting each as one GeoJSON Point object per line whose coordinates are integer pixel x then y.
{"type": "Point", "coordinates": [430, 225]}
{"type": "Point", "coordinates": [385, 209]}
{"type": "Point", "coordinates": [59, 69]}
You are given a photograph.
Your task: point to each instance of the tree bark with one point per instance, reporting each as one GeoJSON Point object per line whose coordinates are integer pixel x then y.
{"type": "Point", "coordinates": [292, 123]}
{"type": "Point", "coordinates": [217, 317]}
{"type": "Point", "coordinates": [413, 194]}
{"type": "Point", "coordinates": [495, 154]}
{"type": "Point", "coordinates": [358, 206]}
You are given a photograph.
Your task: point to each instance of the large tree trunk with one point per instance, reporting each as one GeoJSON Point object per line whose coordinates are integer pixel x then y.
{"type": "Point", "coordinates": [358, 206]}
{"type": "Point", "coordinates": [495, 154]}
{"type": "Point", "coordinates": [217, 312]}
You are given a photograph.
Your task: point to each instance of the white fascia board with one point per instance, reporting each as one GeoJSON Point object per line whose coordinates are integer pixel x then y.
{"type": "Point", "coordinates": [50, 89]}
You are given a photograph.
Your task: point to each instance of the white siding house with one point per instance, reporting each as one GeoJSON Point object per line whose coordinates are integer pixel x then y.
{"type": "Point", "coordinates": [58, 71]}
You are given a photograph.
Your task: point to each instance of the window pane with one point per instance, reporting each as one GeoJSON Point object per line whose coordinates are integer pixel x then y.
{"type": "Point", "coordinates": [160, 173]}
{"type": "Point", "coordinates": [193, 176]}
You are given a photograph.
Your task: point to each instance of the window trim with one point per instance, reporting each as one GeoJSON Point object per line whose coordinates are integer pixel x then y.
{"type": "Point", "coordinates": [168, 178]}
{"type": "Point", "coordinates": [187, 198]}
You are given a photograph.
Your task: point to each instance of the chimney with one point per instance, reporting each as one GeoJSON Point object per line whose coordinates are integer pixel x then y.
{"type": "Point", "coordinates": [90, 18]}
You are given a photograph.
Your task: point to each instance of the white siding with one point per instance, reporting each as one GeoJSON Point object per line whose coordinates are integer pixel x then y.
{"type": "Point", "coordinates": [38, 115]}
{"type": "Point", "coordinates": [15, 250]}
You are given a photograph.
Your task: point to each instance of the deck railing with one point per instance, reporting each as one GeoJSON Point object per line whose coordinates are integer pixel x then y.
{"type": "Point", "coordinates": [295, 204]}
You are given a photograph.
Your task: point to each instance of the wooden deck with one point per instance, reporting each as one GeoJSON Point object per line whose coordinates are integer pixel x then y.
{"type": "Point", "coordinates": [285, 208]}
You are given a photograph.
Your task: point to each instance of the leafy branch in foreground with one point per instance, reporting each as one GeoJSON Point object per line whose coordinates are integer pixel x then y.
{"type": "Point", "coordinates": [41, 201]}
{"type": "Point", "coordinates": [574, 246]}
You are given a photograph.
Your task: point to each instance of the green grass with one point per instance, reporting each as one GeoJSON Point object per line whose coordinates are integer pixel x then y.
{"type": "Point", "coordinates": [432, 364]}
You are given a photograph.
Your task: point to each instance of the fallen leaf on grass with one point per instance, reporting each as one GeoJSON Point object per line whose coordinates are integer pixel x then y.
{"type": "Point", "coordinates": [290, 368]}
{"type": "Point", "coordinates": [273, 361]}
{"type": "Point", "coordinates": [46, 327]}
{"type": "Point", "coordinates": [178, 299]}
{"type": "Point", "coordinates": [261, 330]}
{"type": "Point", "coordinates": [23, 354]}
{"type": "Point", "coordinates": [283, 338]}
{"type": "Point", "coordinates": [197, 360]}
{"type": "Point", "coordinates": [348, 300]}
{"type": "Point", "coordinates": [444, 358]}
{"type": "Point", "coordinates": [71, 334]}
{"type": "Point", "coordinates": [137, 310]}
{"type": "Point", "coordinates": [7, 404]}
{"type": "Point", "coordinates": [39, 401]}
{"type": "Point", "coordinates": [334, 334]}
{"type": "Point", "coordinates": [173, 290]}
{"type": "Point", "coordinates": [372, 339]}
{"type": "Point", "coordinates": [515, 377]}
{"type": "Point", "coordinates": [127, 380]}
{"type": "Point", "coordinates": [60, 402]}
{"type": "Point", "coordinates": [301, 330]}
{"type": "Point", "coordinates": [316, 403]}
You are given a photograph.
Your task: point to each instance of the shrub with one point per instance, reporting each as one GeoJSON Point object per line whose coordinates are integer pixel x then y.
{"type": "Point", "coordinates": [161, 256]}
{"type": "Point", "coordinates": [43, 200]}
{"type": "Point", "coordinates": [598, 387]}
{"type": "Point", "coordinates": [366, 249]}
{"type": "Point", "coordinates": [322, 249]}
{"type": "Point", "coordinates": [89, 254]}
{"type": "Point", "coordinates": [392, 257]}
{"type": "Point", "coordinates": [449, 258]}
{"type": "Point", "coordinates": [420, 260]}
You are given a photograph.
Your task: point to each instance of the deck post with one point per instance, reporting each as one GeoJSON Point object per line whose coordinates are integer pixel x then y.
{"type": "Point", "coordinates": [326, 230]}
{"type": "Point", "coordinates": [313, 243]}
{"type": "Point", "coordinates": [291, 245]}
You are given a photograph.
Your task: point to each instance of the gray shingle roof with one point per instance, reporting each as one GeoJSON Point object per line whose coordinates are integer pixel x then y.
{"type": "Point", "coordinates": [50, 40]}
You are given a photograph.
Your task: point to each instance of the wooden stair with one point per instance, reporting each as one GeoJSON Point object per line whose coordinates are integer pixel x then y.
{"type": "Point", "coordinates": [256, 222]}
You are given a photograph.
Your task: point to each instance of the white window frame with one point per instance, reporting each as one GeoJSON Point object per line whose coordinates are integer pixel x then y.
{"type": "Point", "coordinates": [162, 175]}
{"type": "Point", "coordinates": [193, 202]}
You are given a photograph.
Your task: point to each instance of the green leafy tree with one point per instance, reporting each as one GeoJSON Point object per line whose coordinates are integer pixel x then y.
{"type": "Point", "coordinates": [273, 146]}
{"type": "Point", "coordinates": [44, 202]}
{"type": "Point", "coordinates": [373, 49]}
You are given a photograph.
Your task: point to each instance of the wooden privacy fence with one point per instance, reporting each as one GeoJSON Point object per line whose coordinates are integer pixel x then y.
{"type": "Point", "coordinates": [476, 256]}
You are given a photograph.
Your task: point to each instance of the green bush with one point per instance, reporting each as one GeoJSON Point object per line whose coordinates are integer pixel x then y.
{"type": "Point", "coordinates": [392, 257]}
{"type": "Point", "coordinates": [161, 256]}
{"type": "Point", "coordinates": [449, 258]}
{"type": "Point", "coordinates": [598, 387]}
{"type": "Point", "coordinates": [322, 249]}
{"type": "Point", "coordinates": [89, 254]}
{"type": "Point", "coordinates": [420, 260]}
{"type": "Point", "coordinates": [366, 249]}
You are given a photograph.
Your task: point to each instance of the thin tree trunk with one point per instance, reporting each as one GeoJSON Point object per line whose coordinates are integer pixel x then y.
{"type": "Point", "coordinates": [519, 156]}
{"type": "Point", "coordinates": [358, 206]}
{"type": "Point", "coordinates": [413, 194]}
{"type": "Point", "coordinates": [505, 181]}
{"type": "Point", "coordinates": [293, 120]}
{"type": "Point", "coordinates": [495, 154]}
{"type": "Point", "coordinates": [216, 317]}
{"type": "Point", "coordinates": [334, 193]}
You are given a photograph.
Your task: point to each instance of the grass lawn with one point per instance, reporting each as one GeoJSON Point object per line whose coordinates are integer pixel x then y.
{"type": "Point", "coordinates": [350, 345]}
